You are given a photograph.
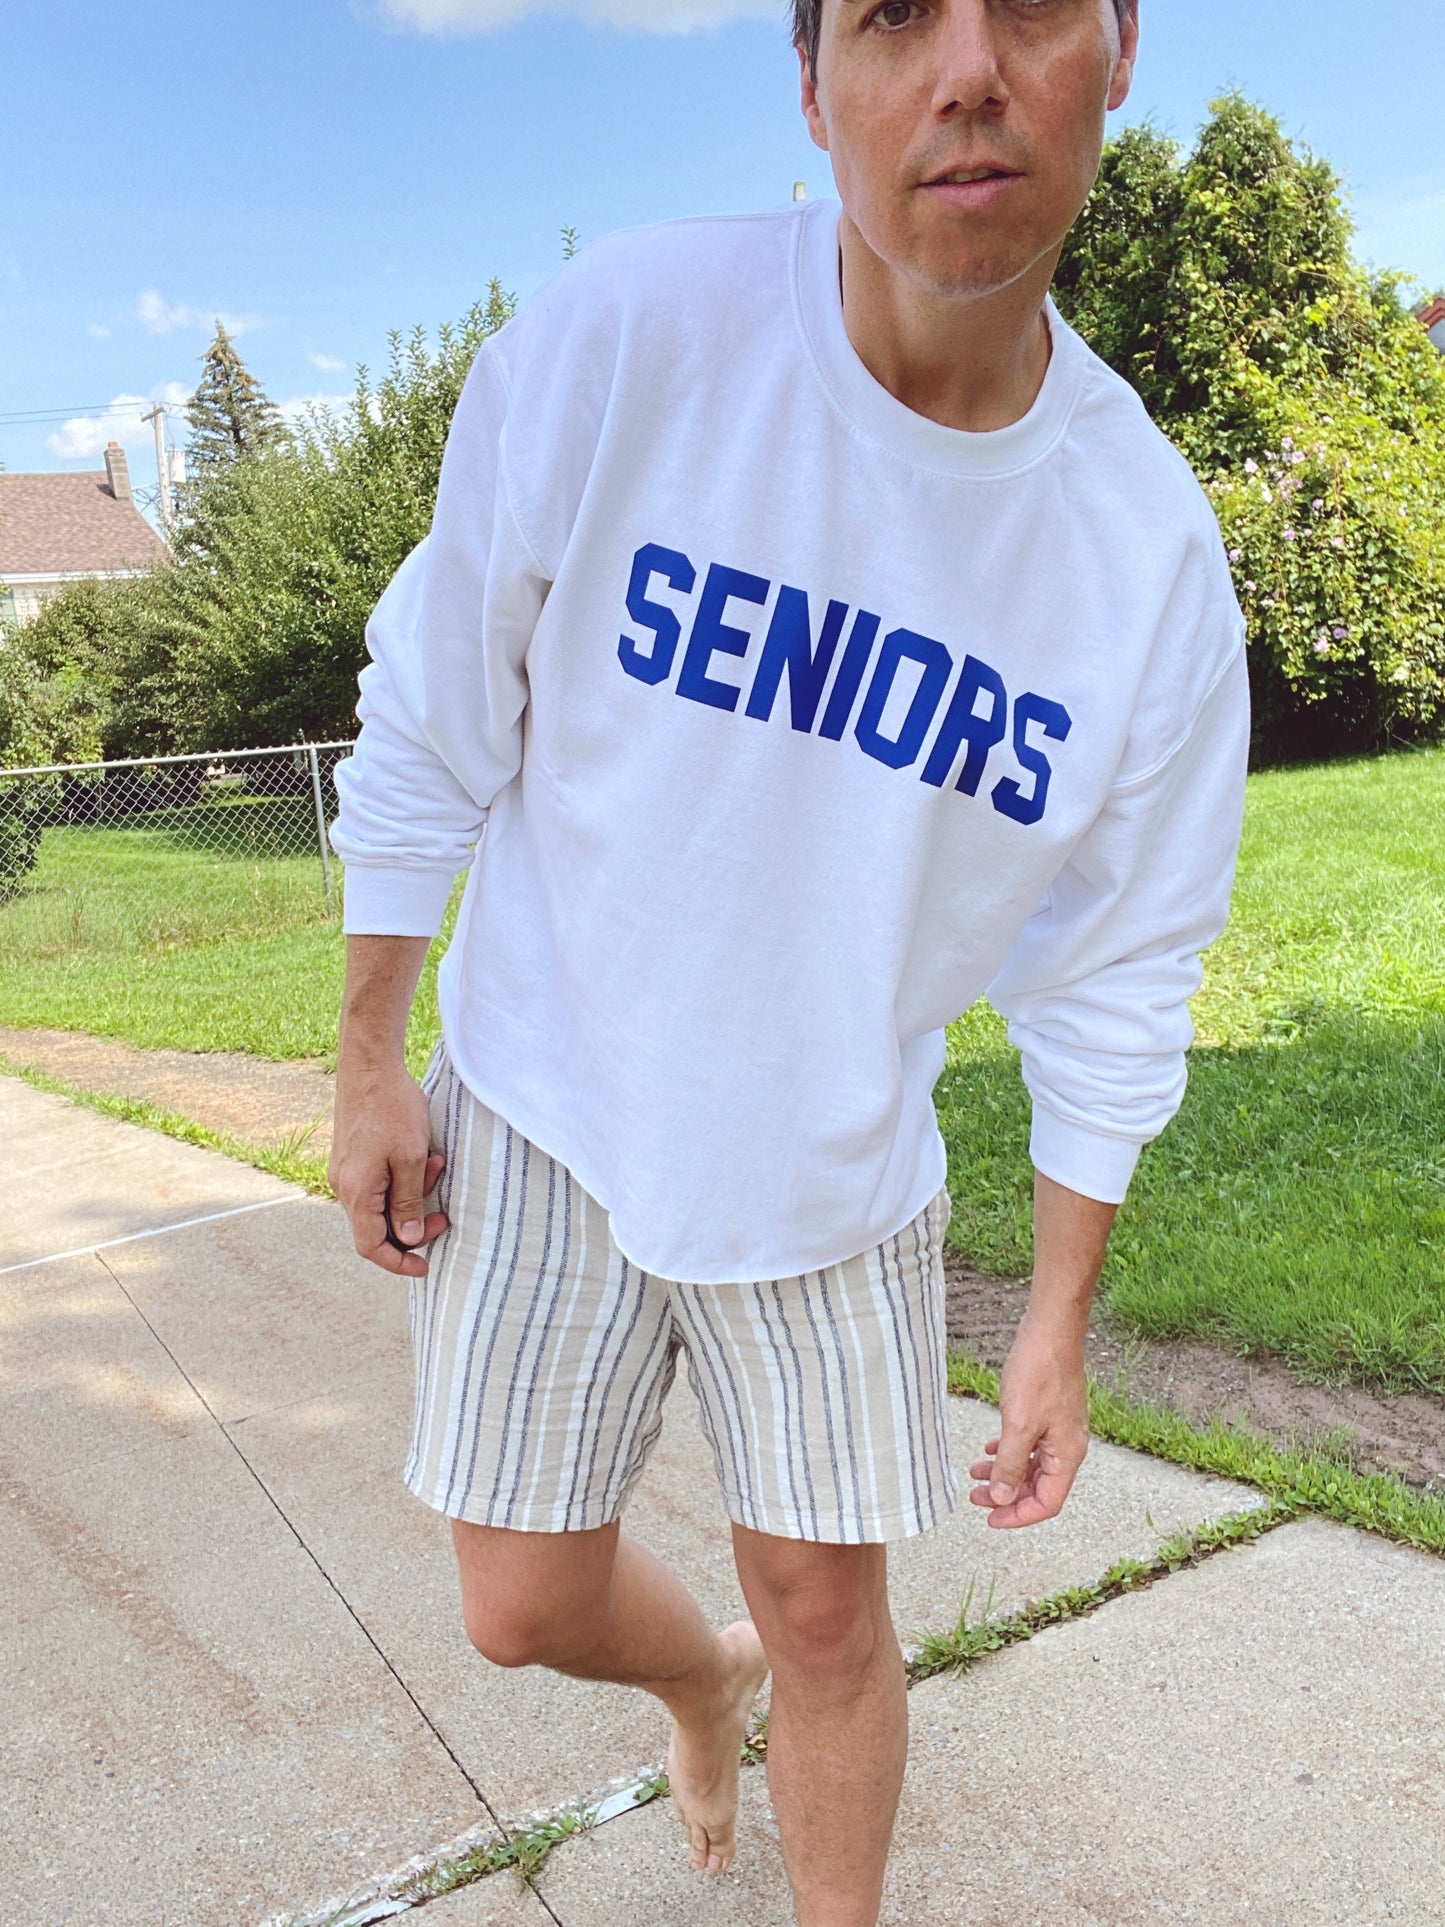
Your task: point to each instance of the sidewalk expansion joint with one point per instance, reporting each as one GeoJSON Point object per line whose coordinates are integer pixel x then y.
{"type": "Point", "coordinates": [480, 1853]}
{"type": "Point", "coordinates": [346, 1604]}
{"type": "Point", "coordinates": [155, 1231]}
{"type": "Point", "coordinates": [961, 1647]}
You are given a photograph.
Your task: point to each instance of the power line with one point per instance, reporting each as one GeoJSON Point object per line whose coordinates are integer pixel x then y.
{"type": "Point", "coordinates": [39, 416]}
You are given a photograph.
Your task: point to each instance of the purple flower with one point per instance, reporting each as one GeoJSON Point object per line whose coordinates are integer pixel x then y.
{"type": "Point", "coordinates": [1337, 541]}
{"type": "Point", "coordinates": [1340, 635]}
{"type": "Point", "coordinates": [1322, 648]}
{"type": "Point", "coordinates": [1290, 536]}
{"type": "Point", "coordinates": [1250, 588]}
{"type": "Point", "coordinates": [1251, 467]}
{"type": "Point", "coordinates": [1236, 555]}
{"type": "Point", "coordinates": [1318, 503]}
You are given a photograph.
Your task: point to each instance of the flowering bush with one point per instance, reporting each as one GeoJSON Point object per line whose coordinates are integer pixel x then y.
{"type": "Point", "coordinates": [1337, 539]}
{"type": "Point", "coordinates": [1305, 396]}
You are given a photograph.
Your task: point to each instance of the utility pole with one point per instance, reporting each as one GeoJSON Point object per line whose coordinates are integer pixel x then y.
{"type": "Point", "coordinates": [157, 418]}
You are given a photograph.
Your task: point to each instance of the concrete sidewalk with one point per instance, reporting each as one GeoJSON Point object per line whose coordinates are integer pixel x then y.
{"type": "Point", "coordinates": [237, 1684]}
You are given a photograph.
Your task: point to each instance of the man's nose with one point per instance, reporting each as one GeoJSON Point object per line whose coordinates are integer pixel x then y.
{"type": "Point", "coordinates": [970, 75]}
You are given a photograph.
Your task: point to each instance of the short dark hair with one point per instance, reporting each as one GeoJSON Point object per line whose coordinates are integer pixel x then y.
{"type": "Point", "coordinates": [808, 21]}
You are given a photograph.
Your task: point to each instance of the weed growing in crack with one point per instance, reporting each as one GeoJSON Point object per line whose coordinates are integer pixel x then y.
{"type": "Point", "coordinates": [955, 1650]}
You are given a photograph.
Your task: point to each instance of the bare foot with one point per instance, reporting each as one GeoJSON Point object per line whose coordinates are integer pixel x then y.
{"type": "Point", "coordinates": [702, 1760]}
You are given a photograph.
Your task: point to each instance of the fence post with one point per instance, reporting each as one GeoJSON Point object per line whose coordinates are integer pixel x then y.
{"type": "Point", "coordinates": [321, 836]}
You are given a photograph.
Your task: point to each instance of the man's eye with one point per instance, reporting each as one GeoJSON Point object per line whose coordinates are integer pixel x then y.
{"type": "Point", "coordinates": [895, 13]}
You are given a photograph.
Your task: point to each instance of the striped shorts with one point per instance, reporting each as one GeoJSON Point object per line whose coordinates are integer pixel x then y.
{"type": "Point", "coordinates": [543, 1357]}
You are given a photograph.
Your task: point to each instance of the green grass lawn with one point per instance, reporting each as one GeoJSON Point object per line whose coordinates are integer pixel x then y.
{"type": "Point", "coordinates": [197, 929]}
{"type": "Point", "coordinates": [1297, 1203]}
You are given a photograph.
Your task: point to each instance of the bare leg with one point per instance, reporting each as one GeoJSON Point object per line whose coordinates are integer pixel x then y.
{"type": "Point", "coordinates": [599, 1606]}
{"type": "Point", "coordinates": [838, 1725]}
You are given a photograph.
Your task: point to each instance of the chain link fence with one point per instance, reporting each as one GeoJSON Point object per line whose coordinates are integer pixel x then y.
{"type": "Point", "coordinates": [110, 858]}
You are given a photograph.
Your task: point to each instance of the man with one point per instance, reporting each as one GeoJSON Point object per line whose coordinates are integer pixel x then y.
{"type": "Point", "coordinates": [812, 634]}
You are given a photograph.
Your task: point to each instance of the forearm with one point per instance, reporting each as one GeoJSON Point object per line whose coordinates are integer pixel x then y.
{"type": "Point", "coordinates": [1071, 1235]}
{"type": "Point", "coordinates": [382, 974]}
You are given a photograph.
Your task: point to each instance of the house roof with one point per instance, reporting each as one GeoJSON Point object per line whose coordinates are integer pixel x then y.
{"type": "Point", "coordinates": [71, 524]}
{"type": "Point", "coordinates": [1432, 314]}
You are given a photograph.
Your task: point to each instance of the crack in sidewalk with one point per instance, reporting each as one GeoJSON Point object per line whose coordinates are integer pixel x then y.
{"type": "Point", "coordinates": [501, 1831]}
{"type": "Point", "coordinates": [477, 1855]}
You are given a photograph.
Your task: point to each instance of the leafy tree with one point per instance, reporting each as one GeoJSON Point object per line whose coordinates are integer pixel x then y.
{"type": "Point", "coordinates": [41, 722]}
{"type": "Point", "coordinates": [283, 554]}
{"type": "Point", "coordinates": [254, 633]}
{"type": "Point", "coordinates": [97, 669]}
{"type": "Point", "coordinates": [229, 414]}
{"type": "Point", "coordinates": [1309, 401]}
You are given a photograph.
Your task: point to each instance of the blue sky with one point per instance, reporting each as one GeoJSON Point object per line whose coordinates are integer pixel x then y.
{"type": "Point", "coordinates": [321, 171]}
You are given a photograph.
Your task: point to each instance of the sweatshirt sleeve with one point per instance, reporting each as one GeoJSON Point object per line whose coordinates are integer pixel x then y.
{"type": "Point", "coordinates": [1096, 988]}
{"type": "Point", "coordinates": [443, 695]}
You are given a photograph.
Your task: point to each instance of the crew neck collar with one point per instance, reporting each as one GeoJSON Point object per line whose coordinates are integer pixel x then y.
{"type": "Point", "coordinates": [886, 420]}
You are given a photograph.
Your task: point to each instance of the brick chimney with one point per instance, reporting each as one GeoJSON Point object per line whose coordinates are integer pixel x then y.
{"type": "Point", "coordinates": [117, 468]}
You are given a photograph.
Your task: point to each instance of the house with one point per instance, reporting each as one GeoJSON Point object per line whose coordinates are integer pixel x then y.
{"type": "Point", "coordinates": [55, 528]}
{"type": "Point", "coordinates": [1432, 319]}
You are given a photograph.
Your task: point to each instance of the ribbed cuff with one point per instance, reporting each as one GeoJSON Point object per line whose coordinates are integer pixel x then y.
{"type": "Point", "coordinates": [1092, 1163]}
{"type": "Point", "coordinates": [385, 902]}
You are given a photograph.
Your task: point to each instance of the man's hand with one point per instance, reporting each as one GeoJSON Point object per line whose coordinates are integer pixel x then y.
{"type": "Point", "coordinates": [382, 1161]}
{"type": "Point", "coordinates": [1043, 1393]}
{"type": "Point", "coordinates": [1044, 1409]}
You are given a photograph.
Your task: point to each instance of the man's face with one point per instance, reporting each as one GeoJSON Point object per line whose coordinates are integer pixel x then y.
{"type": "Point", "coordinates": [908, 91]}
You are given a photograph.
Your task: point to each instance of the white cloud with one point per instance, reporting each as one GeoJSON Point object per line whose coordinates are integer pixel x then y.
{"type": "Point", "coordinates": [94, 328]}
{"type": "Point", "coordinates": [161, 317]}
{"type": "Point", "coordinates": [85, 436]}
{"type": "Point", "coordinates": [328, 364]}
{"type": "Point", "coordinates": [643, 16]}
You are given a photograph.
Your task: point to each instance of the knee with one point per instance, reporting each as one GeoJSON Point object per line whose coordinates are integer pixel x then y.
{"type": "Point", "coordinates": [532, 1599]}
{"type": "Point", "coordinates": [826, 1639]}
{"type": "Point", "coordinates": [516, 1633]}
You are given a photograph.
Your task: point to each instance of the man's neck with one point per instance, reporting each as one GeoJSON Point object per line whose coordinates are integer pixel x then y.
{"type": "Point", "coordinates": [973, 362]}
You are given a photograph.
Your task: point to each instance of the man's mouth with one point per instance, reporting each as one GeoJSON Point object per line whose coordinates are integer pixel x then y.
{"type": "Point", "coordinates": [972, 188]}
{"type": "Point", "coordinates": [963, 175]}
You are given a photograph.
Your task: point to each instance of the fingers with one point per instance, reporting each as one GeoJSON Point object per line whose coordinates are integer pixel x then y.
{"type": "Point", "coordinates": [377, 1225]}
{"type": "Point", "coordinates": [1013, 1457]}
{"type": "Point", "coordinates": [1038, 1491]}
{"type": "Point", "coordinates": [405, 1196]}
{"type": "Point", "coordinates": [371, 1234]}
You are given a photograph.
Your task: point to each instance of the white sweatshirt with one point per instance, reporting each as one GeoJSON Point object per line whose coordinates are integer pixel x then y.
{"type": "Point", "coordinates": [795, 721]}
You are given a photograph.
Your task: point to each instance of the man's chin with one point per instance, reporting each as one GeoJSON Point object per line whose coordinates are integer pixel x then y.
{"type": "Point", "coordinates": [953, 275]}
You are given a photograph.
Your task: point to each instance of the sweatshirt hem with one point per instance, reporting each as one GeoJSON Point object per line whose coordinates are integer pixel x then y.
{"type": "Point", "coordinates": [933, 1162]}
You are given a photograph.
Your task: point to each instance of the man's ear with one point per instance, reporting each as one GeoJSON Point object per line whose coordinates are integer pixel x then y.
{"type": "Point", "coordinates": [812, 111]}
{"type": "Point", "coordinates": [1128, 53]}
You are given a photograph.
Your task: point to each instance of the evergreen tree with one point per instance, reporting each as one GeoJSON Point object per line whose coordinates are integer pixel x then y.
{"type": "Point", "coordinates": [230, 414]}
